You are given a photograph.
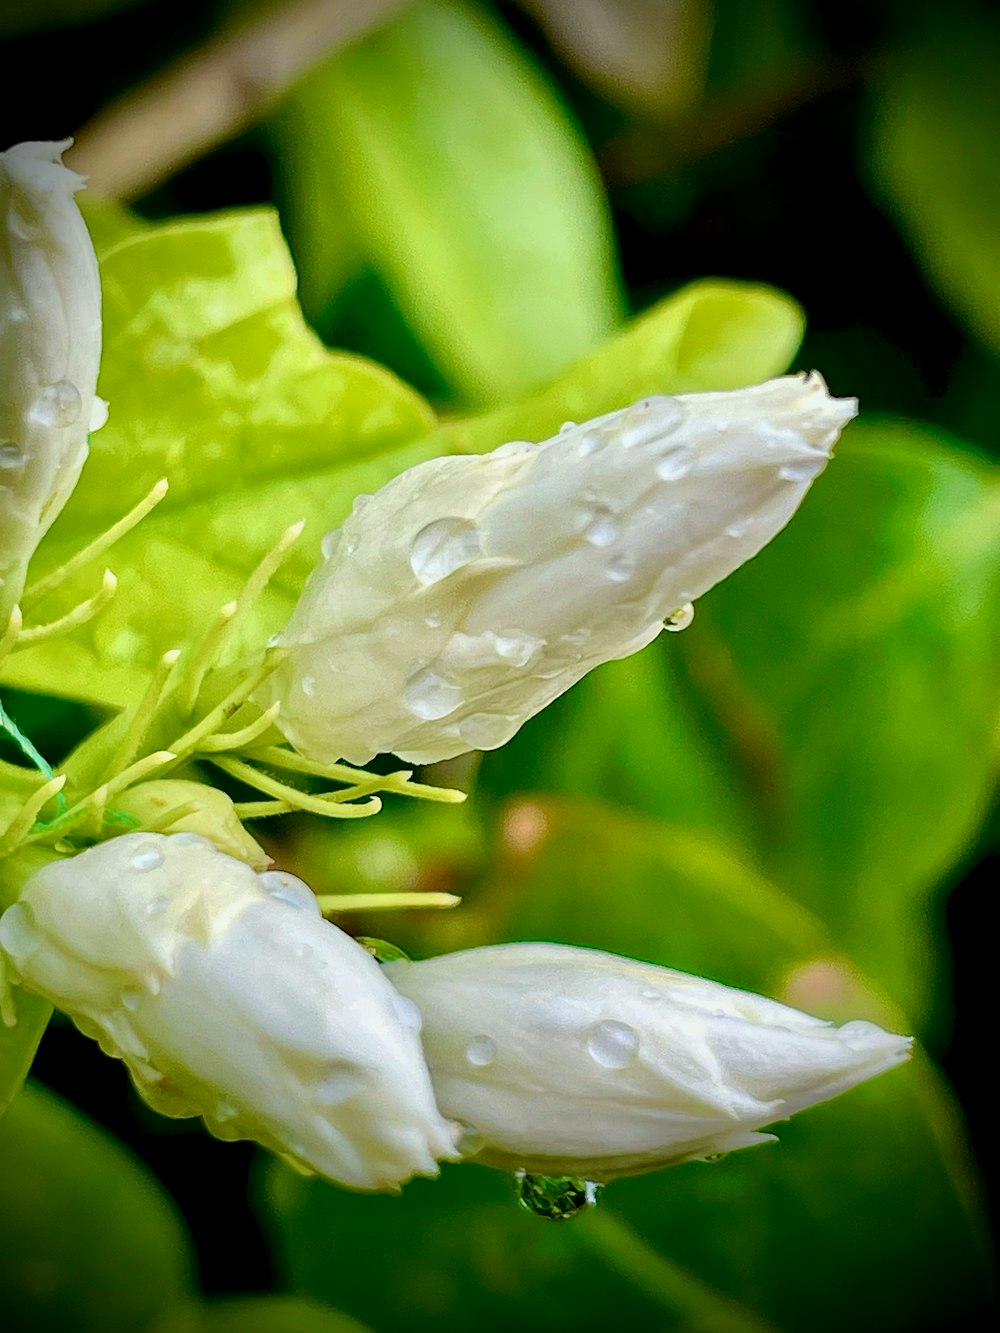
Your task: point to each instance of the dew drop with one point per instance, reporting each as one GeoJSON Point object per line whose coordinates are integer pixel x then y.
{"type": "Point", "coordinates": [308, 686]}
{"type": "Point", "coordinates": [713, 1157]}
{"type": "Point", "coordinates": [191, 840]}
{"type": "Point", "coordinates": [576, 637]}
{"type": "Point", "coordinates": [407, 1012]}
{"type": "Point", "coordinates": [650, 994]}
{"type": "Point", "coordinates": [328, 546]}
{"type": "Point", "coordinates": [485, 731]}
{"type": "Point", "coordinates": [679, 619]}
{"type": "Point", "coordinates": [675, 463]}
{"type": "Point", "coordinates": [590, 442]}
{"type": "Point", "coordinates": [567, 425]}
{"type": "Point", "coordinates": [57, 405]}
{"type": "Point", "coordinates": [433, 619]}
{"type": "Point", "coordinates": [805, 469]}
{"type": "Point", "coordinates": [736, 530]}
{"type": "Point", "coordinates": [98, 415]}
{"type": "Point", "coordinates": [600, 528]}
{"type": "Point", "coordinates": [359, 503]}
{"type": "Point", "coordinates": [11, 456]}
{"type": "Point", "coordinates": [471, 1141]}
{"type": "Point", "coordinates": [430, 696]}
{"type": "Point", "coordinates": [225, 1111]}
{"type": "Point", "coordinates": [337, 1087]}
{"type": "Point", "coordinates": [650, 420]}
{"type": "Point", "coordinates": [620, 568]}
{"type": "Point", "coordinates": [516, 646]}
{"type": "Point", "coordinates": [350, 545]}
{"type": "Point", "coordinates": [18, 933]}
{"type": "Point", "coordinates": [158, 905]}
{"type": "Point", "coordinates": [131, 999]}
{"type": "Point", "coordinates": [382, 950]}
{"type": "Point", "coordinates": [442, 547]}
{"type": "Point", "coordinates": [511, 448]}
{"type": "Point", "coordinates": [288, 889]}
{"type": "Point", "coordinates": [555, 1198]}
{"type": "Point", "coordinates": [612, 1045]}
{"type": "Point", "coordinates": [481, 1052]}
{"type": "Point", "coordinates": [147, 858]}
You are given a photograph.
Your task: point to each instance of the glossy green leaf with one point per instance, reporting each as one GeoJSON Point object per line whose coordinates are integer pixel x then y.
{"type": "Point", "coordinates": [19, 1043]}
{"type": "Point", "coordinates": [862, 647]}
{"type": "Point", "coordinates": [257, 1314]}
{"type": "Point", "coordinates": [214, 382]}
{"type": "Point", "coordinates": [469, 191]}
{"type": "Point", "coordinates": [741, 1246]}
{"type": "Point", "coordinates": [934, 160]}
{"type": "Point", "coordinates": [709, 335]}
{"type": "Point", "coordinates": [88, 1241]}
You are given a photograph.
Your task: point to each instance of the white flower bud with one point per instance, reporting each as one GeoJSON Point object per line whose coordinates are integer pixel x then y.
{"type": "Point", "coordinates": [50, 349]}
{"type": "Point", "coordinates": [228, 996]}
{"type": "Point", "coordinates": [472, 591]}
{"type": "Point", "coordinates": [571, 1061]}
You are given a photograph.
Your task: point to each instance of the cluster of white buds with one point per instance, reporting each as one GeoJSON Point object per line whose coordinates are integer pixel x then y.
{"type": "Point", "coordinates": [571, 1061]}
{"type": "Point", "coordinates": [50, 349]}
{"type": "Point", "coordinates": [471, 591]}
{"type": "Point", "coordinates": [228, 996]}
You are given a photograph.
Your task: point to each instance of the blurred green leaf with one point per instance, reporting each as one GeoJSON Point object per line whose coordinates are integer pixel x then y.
{"type": "Point", "coordinates": [709, 335]}
{"type": "Point", "coordinates": [88, 1241]}
{"type": "Point", "coordinates": [19, 16]}
{"type": "Point", "coordinates": [853, 663]}
{"type": "Point", "coordinates": [469, 192]}
{"type": "Point", "coordinates": [934, 159]}
{"type": "Point", "coordinates": [257, 1314]}
{"type": "Point", "coordinates": [875, 1182]}
{"type": "Point", "coordinates": [215, 383]}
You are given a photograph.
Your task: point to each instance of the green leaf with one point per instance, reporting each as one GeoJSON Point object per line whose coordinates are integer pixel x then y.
{"type": "Point", "coordinates": [933, 131]}
{"type": "Point", "coordinates": [214, 382]}
{"type": "Point", "coordinates": [853, 663]}
{"type": "Point", "coordinates": [258, 1314]}
{"type": "Point", "coordinates": [489, 228]}
{"type": "Point", "coordinates": [88, 1241]}
{"type": "Point", "coordinates": [19, 1043]}
{"type": "Point", "coordinates": [709, 335]}
{"type": "Point", "coordinates": [871, 1186]}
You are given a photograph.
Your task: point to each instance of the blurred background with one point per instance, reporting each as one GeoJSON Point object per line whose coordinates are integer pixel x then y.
{"type": "Point", "coordinates": [797, 795]}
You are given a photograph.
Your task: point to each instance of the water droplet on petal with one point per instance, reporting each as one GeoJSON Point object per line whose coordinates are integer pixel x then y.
{"type": "Point", "coordinates": [381, 950]}
{"type": "Point", "coordinates": [555, 1198]}
{"type": "Point", "coordinates": [433, 619]}
{"type": "Point", "coordinates": [338, 1087]}
{"type": "Point", "coordinates": [481, 1052]}
{"type": "Point", "coordinates": [158, 905]}
{"type": "Point", "coordinates": [288, 889]}
{"type": "Point", "coordinates": [513, 447]}
{"type": "Point", "coordinates": [485, 731]}
{"type": "Point", "coordinates": [328, 546]}
{"type": "Point", "coordinates": [442, 547]}
{"type": "Point", "coordinates": [567, 425]}
{"type": "Point", "coordinates": [308, 686]}
{"type": "Point", "coordinates": [804, 469]}
{"type": "Point", "coordinates": [471, 1141]}
{"type": "Point", "coordinates": [98, 415]}
{"type": "Point", "coordinates": [650, 420]}
{"type": "Point", "coordinates": [576, 637]}
{"type": "Point", "coordinates": [18, 933]}
{"type": "Point", "coordinates": [675, 463]}
{"type": "Point", "coordinates": [11, 456]}
{"type": "Point", "coordinates": [738, 529]}
{"type": "Point", "coordinates": [146, 858]}
{"type": "Point", "coordinates": [620, 568]}
{"type": "Point", "coordinates": [612, 1045]}
{"type": "Point", "coordinates": [650, 994]}
{"type": "Point", "coordinates": [57, 405]}
{"type": "Point", "coordinates": [590, 442]}
{"type": "Point", "coordinates": [430, 696]}
{"type": "Point", "coordinates": [600, 528]}
{"type": "Point", "coordinates": [679, 619]}
{"type": "Point", "coordinates": [407, 1012]}
{"type": "Point", "coordinates": [191, 840]}
{"type": "Point", "coordinates": [359, 503]}
{"type": "Point", "coordinates": [131, 999]}
{"type": "Point", "coordinates": [516, 646]}
{"type": "Point", "coordinates": [226, 1111]}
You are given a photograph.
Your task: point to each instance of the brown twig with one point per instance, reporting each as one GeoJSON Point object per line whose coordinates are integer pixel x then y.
{"type": "Point", "coordinates": [215, 91]}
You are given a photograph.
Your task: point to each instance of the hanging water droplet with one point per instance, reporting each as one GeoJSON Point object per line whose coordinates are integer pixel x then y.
{"type": "Point", "coordinates": [442, 547]}
{"type": "Point", "coordinates": [804, 469]}
{"type": "Point", "coordinates": [433, 619]}
{"type": "Point", "coordinates": [600, 528]}
{"type": "Point", "coordinates": [612, 1045]}
{"type": "Point", "coordinates": [620, 568]}
{"type": "Point", "coordinates": [328, 546]}
{"type": "Point", "coordinates": [381, 950]}
{"type": "Point", "coordinates": [713, 1157]}
{"type": "Point", "coordinates": [288, 889]}
{"type": "Point", "coordinates": [567, 425]}
{"type": "Point", "coordinates": [57, 405]}
{"type": "Point", "coordinates": [679, 619]}
{"type": "Point", "coordinates": [555, 1198]}
{"type": "Point", "coordinates": [430, 696]}
{"type": "Point", "coordinates": [675, 463]}
{"type": "Point", "coordinates": [650, 420]}
{"type": "Point", "coordinates": [512, 447]}
{"type": "Point", "coordinates": [146, 858]}
{"type": "Point", "coordinates": [98, 415]}
{"type": "Point", "coordinates": [11, 456]}
{"type": "Point", "coordinates": [485, 731]}
{"type": "Point", "coordinates": [481, 1052]}
{"type": "Point", "coordinates": [18, 933]}
{"type": "Point", "coordinates": [471, 1141]}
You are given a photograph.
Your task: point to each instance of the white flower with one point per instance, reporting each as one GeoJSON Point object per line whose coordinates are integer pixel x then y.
{"type": "Point", "coordinates": [50, 349]}
{"type": "Point", "coordinates": [571, 1061]}
{"type": "Point", "coordinates": [228, 996]}
{"type": "Point", "coordinates": [472, 591]}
